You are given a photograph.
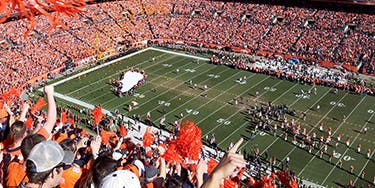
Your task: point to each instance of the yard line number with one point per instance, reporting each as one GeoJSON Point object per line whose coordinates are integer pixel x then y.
{"type": "Point", "coordinates": [271, 89]}
{"type": "Point", "coordinates": [167, 65]}
{"type": "Point", "coordinates": [192, 111]}
{"type": "Point", "coordinates": [223, 121]}
{"type": "Point", "coordinates": [164, 103]}
{"type": "Point", "coordinates": [190, 70]}
{"type": "Point", "coordinates": [338, 104]}
{"type": "Point", "coordinates": [214, 76]}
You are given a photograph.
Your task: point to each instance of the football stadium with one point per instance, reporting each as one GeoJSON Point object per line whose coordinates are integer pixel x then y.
{"type": "Point", "coordinates": [192, 93]}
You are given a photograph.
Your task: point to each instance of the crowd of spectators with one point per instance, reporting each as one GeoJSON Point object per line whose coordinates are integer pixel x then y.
{"type": "Point", "coordinates": [311, 34]}
{"type": "Point", "coordinates": [296, 71]}
{"type": "Point", "coordinates": [48, 149]}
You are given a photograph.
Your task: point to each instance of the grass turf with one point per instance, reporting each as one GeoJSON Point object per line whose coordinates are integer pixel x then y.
{"type": "Point", "coordinates": [216, 113]}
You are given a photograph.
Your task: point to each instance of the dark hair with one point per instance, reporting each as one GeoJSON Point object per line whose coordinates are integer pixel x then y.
{"type": "Point", "coordinates": [17, 130]}
{"type": "Point", "coordinates": [29, 142]}
{"type": "Point", "coordinates": [39, 177]}
{"type": "Point", "coordinates": [68, 145]}
{"type": "Point", "coordinates": [102, 166]}
{"type": "Point", "coordinates": [35, 177]}
{"type": "Point", "coordinates": [173, 182]}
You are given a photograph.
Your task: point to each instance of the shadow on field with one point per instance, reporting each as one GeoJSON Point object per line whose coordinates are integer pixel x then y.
{"type": "Point", "coordinates": [339, 184]}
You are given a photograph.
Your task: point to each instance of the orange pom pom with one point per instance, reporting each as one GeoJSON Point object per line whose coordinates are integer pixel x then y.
{"type": "Point", "coordinates": [148, 138]}
{"type": "Point", "coordinates": [98, 115]}
{"type": "Point", "coordinates": [123, 131]}
{"type": "Point", "coordinates": [30, 8]}
{"type": "Point", "coordinates": [171, 155]}
{"type": "Point", "coordinates": [189, 141]}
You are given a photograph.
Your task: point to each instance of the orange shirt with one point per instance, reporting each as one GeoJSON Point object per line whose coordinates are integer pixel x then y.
{"type": "Point", "coordinates": [16, 174]}
{"type": "Point", "coordinates": [43, 132]}
{"type": "Point", "coordinates": [71, 176]}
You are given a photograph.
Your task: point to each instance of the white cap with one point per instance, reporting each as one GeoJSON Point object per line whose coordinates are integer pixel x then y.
{"type": "Point", "coordinates": [48, 154]}
{"type": "Point", "coordinates": [120, 179]}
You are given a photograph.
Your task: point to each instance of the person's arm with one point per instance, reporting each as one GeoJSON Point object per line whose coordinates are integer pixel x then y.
{"type": "Point", "coordinates": [25, 108]}
{"type": "Point", "coordinates": [226, 166]}
{"type": "Point", "coordinates": [95, 146]}
{"type": "Point", "coordinates": [162, 168]}
{"type": "Point", "coordinates": [201, 170]}
{"type": "Point", "coordinates": [52, 114]}
{"type": "Point", "coordinates": [12, 118]}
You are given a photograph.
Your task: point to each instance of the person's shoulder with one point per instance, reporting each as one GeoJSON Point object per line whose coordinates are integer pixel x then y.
{"type": "Point", "coordinates": [14, 164]}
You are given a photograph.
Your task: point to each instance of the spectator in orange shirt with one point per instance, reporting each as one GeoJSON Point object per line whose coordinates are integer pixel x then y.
{"type": "Point", "coordinates": [16, 175]}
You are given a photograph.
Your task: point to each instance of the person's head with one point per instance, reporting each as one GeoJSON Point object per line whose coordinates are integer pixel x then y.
{"type": "Point", "coordinates": [45, 163]}
{"type": "Point", "coordinates": [120, 179]}
{"type": "Point", "coordinates": [101, 167]}
{"type": "Point", "coordinates": [173, 182]}
{"type": "Point", "coordinates": [68, 145]}
{"type": "Point", "coordinates": [17, 131]}
{"type": "Point", "coordinates": [29, 142]}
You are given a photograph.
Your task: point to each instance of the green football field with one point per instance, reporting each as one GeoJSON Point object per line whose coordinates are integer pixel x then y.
{"type": "Point", "coordinates": [217, 113]}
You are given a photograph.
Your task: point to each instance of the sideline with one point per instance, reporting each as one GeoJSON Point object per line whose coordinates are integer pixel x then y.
{"type": "Point", "coordinates": [180, 54]}
{"type": "Point", "coordinates": [98, 67]}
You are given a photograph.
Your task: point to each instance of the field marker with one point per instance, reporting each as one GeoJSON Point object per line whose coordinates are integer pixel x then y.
{"type": "Point", "coordinates": [79, 102]}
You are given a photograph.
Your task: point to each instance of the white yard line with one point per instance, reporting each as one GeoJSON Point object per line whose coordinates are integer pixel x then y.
{"type": "Point", "coordinates": [98, 67]}
{"type": "Point", "coordinates": [171, 88]}
{"type": "Point", "coordinates": [248, 122]}
{"type": "Point", "coordinates": [225, 105]}
{"type": "Point", "coordinates": [210, 88]}
{"type": "Point", "coordinates": [238, 109]}
{"type": "Point", "coordinates": [342, 123]}
{"type": "Point", "coordinates": [364, 166]}
{"type": "Point", "coordinates": [348, 148]}
{"type": "Point", "coordinates": [147, 61]}
{"type": "Point", "coordinates": [180, 54]}
{"type": "Point", "coordinates": [149, 73]}
{"type": "Point", "coordinates": [79, 102]}
{"type": "Point", "coordinates": [305, 112]}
